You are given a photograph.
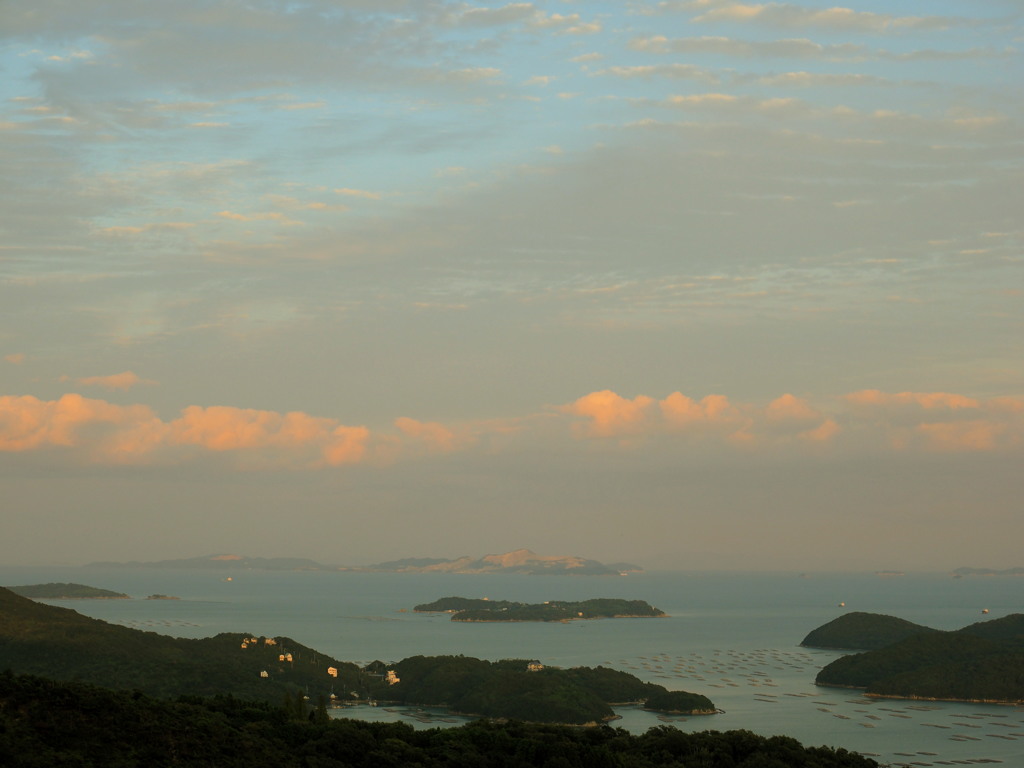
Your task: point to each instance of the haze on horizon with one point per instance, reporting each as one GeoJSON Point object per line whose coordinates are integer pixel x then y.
{"type": "Point", "coordinates": [694, 284]}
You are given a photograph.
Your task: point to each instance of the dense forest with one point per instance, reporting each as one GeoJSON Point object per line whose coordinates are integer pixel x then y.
{"type": "Point", "coordinates": [981, 662]}
{"type": "Point", "coordinates": [506, 689]}
{"type": "Point", "coordinates": [62, 644]}
{"type": "Point", "coordinates": [858, 631]}
{"type": "Point", "coordinates": [45, 723]}
{"type": "Point", "coordinates": [471, 609]}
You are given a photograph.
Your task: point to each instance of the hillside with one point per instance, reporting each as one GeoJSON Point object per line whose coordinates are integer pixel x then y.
{"type": "Point", "coordinates": [65, 591]}
{"type": "Point", "coordinates": [43, 723]}
{"type": "Point", "coordinates": [862, 631]}
{"type": "Point", "coordinates": [983, 662]}
{"type": "Point", "coordinates": [469, 609]}
{"type": "Point", "coordinates": [63, 644]}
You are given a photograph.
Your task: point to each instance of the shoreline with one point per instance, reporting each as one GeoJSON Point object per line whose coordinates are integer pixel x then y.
{"type": "Point", "coordinates": [897, 697]}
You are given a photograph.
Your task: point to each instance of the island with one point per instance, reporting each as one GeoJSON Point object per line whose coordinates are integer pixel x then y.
{"type": "Point", "coordinates": [162, 597]}
{"type": "Point", "coordinates": [519, 561]}
{"type": "Point", "coordinates": [525, 689]}
{"type": "Point", "coordinates": [859, 631]}
{"type": "Point", "coordinates": [983, 662]}
{"type": "Point", "coordinates": [66, 591]}
{"type": "Point", "coordinates": [223, 562]}
{"type": "Point", "coordinates": [61, 644]}
{"type": "Point", "coordinates": [483, 609]}
{"type": "Point", "coordinates": [960, 573]}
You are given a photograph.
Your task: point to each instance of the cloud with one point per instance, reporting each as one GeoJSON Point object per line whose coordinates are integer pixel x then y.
{"type": "Point", "coordinates": [797, 16]}
{"type": "Point", "coordinates": [123, 381]}
{"type": "Point", "coordinates": [358, 193]}
{"type": "Point", "coordinates": [91, 431]}
{"type": "Point", "coordinates": [608, 414]}
{"type": "Point", "coordinates": [675, 71]}
{"type": "Point", "coordinates": [487, 17]}
{"type": "Point", "coordinates": [16, 358]}
{"type": "Point", "coordinates": [868, 420]}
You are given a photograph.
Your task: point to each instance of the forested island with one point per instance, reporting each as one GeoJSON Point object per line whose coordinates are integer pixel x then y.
{"type": "Point", "coordinates": [983, 662]}
{"type": "Point", "coordinates": [62, 644]}
{"type": "Point", "coordinates": [47, 723]}
{"type": "Point", "coordinates": [859, 631]}
{"type": "Point", "coordinates": [524, 690]}
{"type": "Point", "coordinates": [66, 591]}
{"type": "Point", "coordinates": [482, 609]}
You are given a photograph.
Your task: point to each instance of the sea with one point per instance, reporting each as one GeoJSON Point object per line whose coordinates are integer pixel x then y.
{"type": "Point", "coordinates": [734, 637]}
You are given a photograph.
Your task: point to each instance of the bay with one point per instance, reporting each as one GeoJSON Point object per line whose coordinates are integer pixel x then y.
{"type": "Point", "coordinates": [731, 636]}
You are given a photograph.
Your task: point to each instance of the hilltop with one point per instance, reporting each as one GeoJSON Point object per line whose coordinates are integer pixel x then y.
{"type": "Point", "coordinates": [522, 561]}
{"type": "Point", "coordinates": [862, 631]}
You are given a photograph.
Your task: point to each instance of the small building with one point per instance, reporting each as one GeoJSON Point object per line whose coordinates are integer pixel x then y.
{"type": "Point", "coordinates": [391, 678]}
{"type": "Point", "coordinates": [245, 644]}
{"type": "Point", "coordinates": [269, 641]}
{"type": "Point", "coordinates": [288, 657]}
{"type": "Point", "coordinates": [332, 671]}
{"type": "Point", "coordinates": [534, 666]}
{"type": "Point", "coordinates": [264, 673]}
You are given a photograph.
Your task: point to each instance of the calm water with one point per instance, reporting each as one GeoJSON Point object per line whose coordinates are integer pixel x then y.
{"type": "Point", "coordinates": [732, 637]}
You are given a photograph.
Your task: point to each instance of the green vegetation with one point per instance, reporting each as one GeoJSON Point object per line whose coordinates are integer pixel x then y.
{"type": "Point", "coordinates": [63, 591]}
{"type": "Point", "coordinates": [982, 662]}
{"type": "Point", "coordinates": [44, 723]}
{"type": "Point", "coordinates": [470, 609]}
{"type": "Point", "coordinates": [508, 689]}
{"type": "Point", "coordinates": [862, 631]}
{"type": "Point", "coordinates": [680, 702]}
{"type": "Point", "coordinates": [60, 643]}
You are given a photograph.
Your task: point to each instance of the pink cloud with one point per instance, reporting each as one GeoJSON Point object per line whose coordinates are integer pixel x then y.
{"type": "Point", "coordinates": [611, 415]}
{"type": "Point", "coordinates": [926, 400]}
{"type": "Point", "coordinates": [123, 381]}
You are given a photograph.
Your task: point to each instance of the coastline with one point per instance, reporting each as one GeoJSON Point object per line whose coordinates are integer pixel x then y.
{"type": "Point", "coordinates": [912, 697]}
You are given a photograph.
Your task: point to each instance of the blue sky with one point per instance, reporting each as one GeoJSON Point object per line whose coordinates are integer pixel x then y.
{"type": "Point", "coordinates": [697, 283]}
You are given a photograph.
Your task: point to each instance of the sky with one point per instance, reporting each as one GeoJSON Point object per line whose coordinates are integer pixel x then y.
{"type": "Point", "coordinates": [696, 284]}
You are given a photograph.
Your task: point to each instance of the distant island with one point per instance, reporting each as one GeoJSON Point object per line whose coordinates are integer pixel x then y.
{"type": "Point", "coordinates": [162, 597]}
{"type": "Point", "coordinates": [65, 591]}
{"type": "Point", "coordinates": [521, 561]}
{"type": "Point", "coordinates": [226, 562]}
{"type": "Point", "coordinates": [471, 609]}
{"type": "Point", "coordinates": [983, 662]}
{"type": "Point", "coordinates": [959, 573]}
